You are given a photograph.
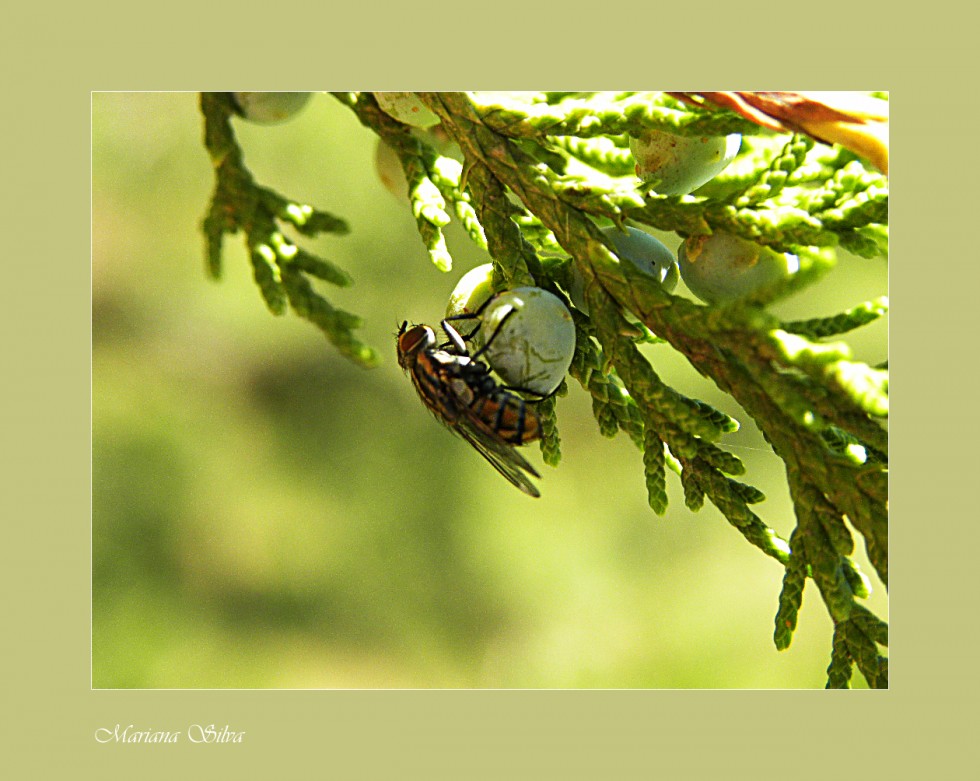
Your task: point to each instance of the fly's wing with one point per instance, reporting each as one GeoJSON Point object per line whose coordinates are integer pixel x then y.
{"type": "Point", "coordinates": [502, 456]}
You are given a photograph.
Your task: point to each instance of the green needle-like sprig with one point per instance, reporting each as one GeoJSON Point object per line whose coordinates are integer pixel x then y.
{"type": "Point", "coordinates": [446, 174]}
{"type": "Point", "coordinates": [601, 153]}
{"type": "Point", "coordinates": [825, 565]}
{"type": "Point", "coordinates": [303, 217]}
{"type": "Point", "coordinates": [841, 664]}
{"type": "Point", "coordinates": [855, 641]}
{"type": "Point", "coordinates": [865, 387]}
{"type": "Point", "coordinates": [821, 166]}
{"type": "Point", "coordinates": [693, 489]}
{"type": "Point", "coordinates": [749, 493]}
{"type": "Point", "coordinates": [654, 463]}
{"type": "Point", "coordinates": [778, 174]}
{"type": "Point", "coordinates": [848, 320]}
{"type": "Point", "coordinates": [336, 323]}
{"type": "Point", "coordinates": [853, 203]}
{"type": "Point", "coordinates": [278, 265]}
{"type": "Point", "coordinates": [846, 445]}
{"type": "Point", "coordinates": [859, 583]}
{"type": "Point", "coordinates": [868, 241]}
{"type": "Point", "coordinates": [550, 441]}
{"type": "Point", "coordinates": [869, 206]}
{"type": "Point", "coordinates": [791, 595]}
{"type": "Point", "coordinates": [723, 423]}
{"type": "Point", "coordinates": [604, 114]}
{"type": "Point", "coordinates": [542, 239]}
{"type": "Point", "coordinates": [268, 276]}
{"type": "Point", "coordinates": [862, 633]}
{"type": "Point", "coordinates": [842, 184]}
{"type": "Point", "coordinates": [730, 500]}
{"type": "Point", "coordinates": [725, 462]}
{"type": "Point", "coordinates": [614, 408]}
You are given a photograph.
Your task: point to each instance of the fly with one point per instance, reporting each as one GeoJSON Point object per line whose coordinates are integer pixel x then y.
{"type": "Point", "coordinates": [460, 392]}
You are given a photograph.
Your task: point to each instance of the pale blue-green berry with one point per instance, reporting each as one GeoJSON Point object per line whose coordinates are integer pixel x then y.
{"type": "Point", "coordinates": [527, 332]}
{"type": "Point", "coordinates": [647, 256]}
{"type": "Point", "coordinates": [678, 165]}
{"type": "Point", "coordinates": [529, 337]}
{"type": "Point", "coordinates": [267, 108]}
{"type": "Point", "coordinates": [723, 267]}
{"type": "Point", "coordinates": [472, 291]}
{"type": "Point", "coordinates": [406, 107]}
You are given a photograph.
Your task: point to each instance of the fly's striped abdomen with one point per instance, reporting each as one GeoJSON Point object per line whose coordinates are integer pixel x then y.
{"type": "Point", "coordinates": [508, 416]}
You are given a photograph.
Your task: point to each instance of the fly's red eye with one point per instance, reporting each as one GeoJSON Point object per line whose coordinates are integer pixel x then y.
{"type": "Point", "coordinates": [418, 337]}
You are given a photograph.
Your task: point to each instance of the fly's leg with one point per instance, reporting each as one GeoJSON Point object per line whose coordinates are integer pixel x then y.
{"type": "Point", "coordinates": [528, 392]}
{"type": "Point", "coordinates": [459, 341]}
{"type": "Point", "coordinates": [473, 316]}
{"type": "Point", "coordinates": [493, 336]}
{"type": "Point", "coordinates": [456, 340]}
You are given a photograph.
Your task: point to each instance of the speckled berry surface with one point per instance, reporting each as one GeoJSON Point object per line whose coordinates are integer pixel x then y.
{"type": "Point", "coordinates": [406, 107]}
{"type": "Point", "coordinates": [471, 292]}
{"type": "Point", "coordinates": [269, 108]}
{"type": "Point", "coordinates": [723, 267]}
{"type": "Point", "coordinates": [531, 339]}
{"type": "Point", "coordinates": [678, 165]}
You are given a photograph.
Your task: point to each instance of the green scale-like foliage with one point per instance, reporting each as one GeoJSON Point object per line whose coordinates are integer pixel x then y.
{"type": "Point", "coordinates": [281, 269]}
{"type": "Point", "coordinates": [542, 172]}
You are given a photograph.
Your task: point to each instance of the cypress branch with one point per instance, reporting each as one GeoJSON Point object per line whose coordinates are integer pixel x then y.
{"type": "Point", "coordinates": [543, 172]}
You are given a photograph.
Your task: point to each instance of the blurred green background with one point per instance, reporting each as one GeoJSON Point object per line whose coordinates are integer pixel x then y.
{"type": "Point", "coordinates": [266, 514]}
